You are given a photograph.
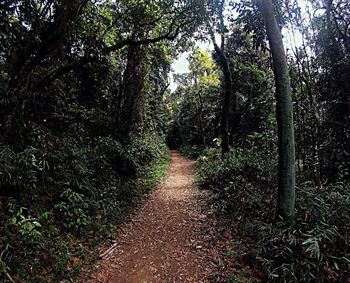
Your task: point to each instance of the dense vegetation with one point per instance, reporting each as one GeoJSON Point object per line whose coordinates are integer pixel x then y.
{"type": "Point", "coordinates": [314, 245]}
{"type": "Point", "coordinates": [82, 132]}
{"type": "Point", "coordinates": [86, 113]}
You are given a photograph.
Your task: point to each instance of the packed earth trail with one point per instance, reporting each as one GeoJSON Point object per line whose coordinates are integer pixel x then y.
{"type": "Point", "coordinates": [168, 239]}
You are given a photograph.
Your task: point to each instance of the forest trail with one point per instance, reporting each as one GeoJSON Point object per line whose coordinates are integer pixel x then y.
{"type": "Point", "coordinates": [167, 239]}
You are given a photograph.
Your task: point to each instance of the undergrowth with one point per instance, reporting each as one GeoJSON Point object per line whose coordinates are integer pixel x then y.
{"type": "Point", "coordinates": [191, 151]}
{"type": "Point", "coordinates": [62, 198]}
{"type": "Point", "coordinates": [314, 247]}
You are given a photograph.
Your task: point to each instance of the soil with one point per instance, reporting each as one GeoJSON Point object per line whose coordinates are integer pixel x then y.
{"type": "Point", "coordinates": [171, 238]}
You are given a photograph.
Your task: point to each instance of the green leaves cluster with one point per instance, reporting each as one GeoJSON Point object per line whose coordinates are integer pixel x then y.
{"type": "Point", "coordinates": [313, 247]}
{"type": "Point", "coordinates": [74, 208]}
{"type": "Point", "coordinates": [72, 201]}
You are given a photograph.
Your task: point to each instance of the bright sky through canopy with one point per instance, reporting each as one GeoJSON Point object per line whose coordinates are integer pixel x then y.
{"type": "Point", "coordinates": [180, 65]}
{"type": "Point", "coordinates": [291, 35]}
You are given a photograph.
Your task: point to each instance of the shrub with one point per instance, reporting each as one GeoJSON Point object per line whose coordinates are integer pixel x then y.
{"type": "Point", "coordinates": [236, 177]}
{"type": "Point", "coordinates": [191, 151]}
{"type": "Point", "coordinates": [313, 248]}
{"type": "Point", "coordinates": [61, 197]}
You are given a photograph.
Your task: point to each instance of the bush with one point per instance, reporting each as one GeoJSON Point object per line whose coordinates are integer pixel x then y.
{"type": "Point", "coordinates": [316, 246]}
{"type": "Point", "coordinates": [313, 248]}
{"type": "Point", "coordinates": [61, 197]}
{"type": "Point", "coordinates": [191, 151]}
{"type": "Point", "coordinates": [235, 178]}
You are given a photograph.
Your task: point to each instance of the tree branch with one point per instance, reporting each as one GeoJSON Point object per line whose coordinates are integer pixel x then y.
{"type": "Point", "coordinates": [170, 35]}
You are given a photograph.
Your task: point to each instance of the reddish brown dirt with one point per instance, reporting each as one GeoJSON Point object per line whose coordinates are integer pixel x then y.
{"type": "Point", "coordinates": [168, 239]}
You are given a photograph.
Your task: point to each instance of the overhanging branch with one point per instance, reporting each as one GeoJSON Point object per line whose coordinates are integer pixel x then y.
{"type": "Point", "coordinates": [51, 77]}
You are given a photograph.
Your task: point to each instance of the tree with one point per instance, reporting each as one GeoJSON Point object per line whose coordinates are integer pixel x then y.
{"type": "Point", "coordinates": [226, 72]}
{"type": "Point", "coordinates": [196, 101]}
{"type": "Point", "coordinates": [47, 42]}
{"type": "Point", "coordinates": [284, 109]}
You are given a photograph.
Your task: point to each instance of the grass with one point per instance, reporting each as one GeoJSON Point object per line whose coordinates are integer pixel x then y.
{"type": "Point", "coordinates": [155, 173]}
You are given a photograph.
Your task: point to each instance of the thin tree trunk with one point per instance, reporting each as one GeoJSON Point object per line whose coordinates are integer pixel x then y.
{"type": "Point", "coordinates": [227, 76]}
{"type": "Point", "coordinates": [226, 108]}
{"type": "Point", "coordinates": [201, 120]}
{"type": "Point", "coordinates": [286, 144]}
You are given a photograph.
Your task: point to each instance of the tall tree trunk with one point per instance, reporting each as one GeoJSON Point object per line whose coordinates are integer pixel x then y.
{"type": "Point", "coordinates": [226, 109]}
{"type": "Point", "coordinates": [227, 76]}
{"type": "Point", "coordinates": [286, 146]}
{"type": "Point", "coordinates": [132, 88]}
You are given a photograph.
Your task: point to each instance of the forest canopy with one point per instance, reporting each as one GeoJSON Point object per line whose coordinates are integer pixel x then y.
{"type": "Point", "coordinates": [87, 119]}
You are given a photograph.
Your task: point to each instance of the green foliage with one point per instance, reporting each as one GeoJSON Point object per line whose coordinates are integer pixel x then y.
{"type": "Point", "coordinates": [316, 245]}
{"type": "Point", "coordinates": [25, 225]}
{"type": "Point", "coordinates": [313, 247]}
{"type": "Point", "coordinates": [73, 207]}
{"type": "Point", "coordinates": [69, 178]}
{"type": "Point", "coordinates": [155, 173]}
{"type": "Point", "coordinates": [64, 173]}
{"type": "Point", "coordinates": [237, 174]}
{"type": "Point", "coordinates": [197, 103]}
{"type": "Point", "coordinates": [77, 191]}
{"type": "Point", "coordinates": [191, 151]}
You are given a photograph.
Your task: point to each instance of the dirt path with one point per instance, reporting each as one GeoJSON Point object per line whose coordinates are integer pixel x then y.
{"type": "Point", "coordinates": [167, 240]}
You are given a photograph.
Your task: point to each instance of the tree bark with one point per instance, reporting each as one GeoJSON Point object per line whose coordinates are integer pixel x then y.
{"type": "Point", "coordinates": [286, 144]}
{"type": "Point", "coordinates": [227, 76]}
{"type": "Point", "coordinates": [226, 108]}
{"type": "Point", "coordinates": [132, 90]}
{"type": "Point", "coordinates": [200, 118]}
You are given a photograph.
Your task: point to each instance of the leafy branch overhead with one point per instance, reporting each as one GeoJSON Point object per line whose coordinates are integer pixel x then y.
{"type": "Point", "coordinates": [94, 93]}
{"type": "Point", "coordinates": [125, 24]}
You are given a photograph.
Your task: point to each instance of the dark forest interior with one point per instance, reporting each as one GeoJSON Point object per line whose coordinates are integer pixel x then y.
{"type": "Point", "coordinates": [88, 115]}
